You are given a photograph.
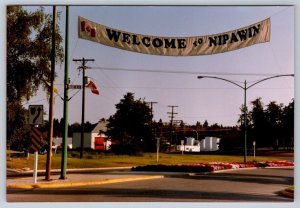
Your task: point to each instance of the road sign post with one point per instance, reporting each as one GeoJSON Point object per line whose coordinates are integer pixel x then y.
{"type": "Point", "coordinates": [35, 166]}
{"type": "Point", "coordinates": [157, 148]}
{"type": "Point", "coordinates": [254, 144]}
{"type": "Point", "coordinates": [36, 145]}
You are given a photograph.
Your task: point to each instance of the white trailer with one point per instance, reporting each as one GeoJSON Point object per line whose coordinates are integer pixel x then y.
{"type": "Point", "coordinates": [189, 145]}
{"type": "Point", "coordinates": [210, 144]}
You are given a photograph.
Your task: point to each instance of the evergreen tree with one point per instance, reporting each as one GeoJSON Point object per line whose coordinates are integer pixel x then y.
{"type": "Point", "coordinates": [259, 123]}
{"type": "Point", "coordinates": [131, 122]}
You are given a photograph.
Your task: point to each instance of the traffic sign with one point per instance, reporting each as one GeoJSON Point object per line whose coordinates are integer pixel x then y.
{"type": "Point", "coordinates": [36, 114]}
{"type": "Point", "coordinates": [74, 86]}
{"type": "Point", "coordinates": [36, 139]}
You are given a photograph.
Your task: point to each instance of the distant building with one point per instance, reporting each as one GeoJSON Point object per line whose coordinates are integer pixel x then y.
{"type": "Point", "coordinates": [95, 139]}
{"type": "Point", "coordinates": [57, 142]}
{"type": "Point", "coordinates": [206, 145]}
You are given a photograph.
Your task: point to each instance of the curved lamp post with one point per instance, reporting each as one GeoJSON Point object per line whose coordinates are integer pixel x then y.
{"type": "Point", "coordinates": [245, 88]}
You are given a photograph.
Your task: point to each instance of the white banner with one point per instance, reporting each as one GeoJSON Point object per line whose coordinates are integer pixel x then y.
{"type": "Point", "coordinates": [175, 46]}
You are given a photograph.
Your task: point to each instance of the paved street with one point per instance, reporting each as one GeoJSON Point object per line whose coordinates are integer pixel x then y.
{"type": "Point", "coordinates": [243, 185]}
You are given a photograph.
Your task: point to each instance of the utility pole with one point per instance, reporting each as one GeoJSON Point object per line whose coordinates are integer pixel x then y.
{"type": "Point", "coordinates": [83, 67]}
{"type": "Point", "coordinates": [64, 156]}
{"type": "Point", "coordinates": [151, 107]}
{"type": "Point", "coordinates": [51, 102]}
{"type": "Point", "coordinates": [172, 113]}
{"type": "Point", "coordinates": [151, 124]}
{"type": "Point", "coordinates": [171, 121]}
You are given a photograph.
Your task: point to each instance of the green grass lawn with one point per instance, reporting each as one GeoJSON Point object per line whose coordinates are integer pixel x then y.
{"type": "Point", "coordinates": [103, 160]}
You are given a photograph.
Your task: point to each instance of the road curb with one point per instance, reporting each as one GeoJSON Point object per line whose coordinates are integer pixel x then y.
{"type": "Point", "coordinates": [250, 168]}
{"type": "Point", "coordinates": [17, 173]}
{"type": "Point", "coordinates": [85, 183]}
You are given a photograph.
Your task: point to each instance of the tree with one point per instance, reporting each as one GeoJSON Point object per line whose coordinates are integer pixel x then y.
{"type": "Point", "coordinates": [272, 126]}
{"type": "Point", "coordinates": [273, 113]}
{"type": "Point", "coordinates": [288, 125]}
{"type": "Point", "coordinates": [18, 132]}
{"type": "Point", "coordinates": [259, 122]}
{"type": "Point", "coordinates": [198, 125]}
{"type": "Point", "coordinates": [131, 122]}
{"type": "Point", "coordinates": [28, 62]}
{"type": "Point", "coordinates": [205, 124]}
{"type": "Point", "coordinates": [242, 120]}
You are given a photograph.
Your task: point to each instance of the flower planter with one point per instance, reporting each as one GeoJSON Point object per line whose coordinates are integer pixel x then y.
{"type": "Point", "coordinates": [210, 167]}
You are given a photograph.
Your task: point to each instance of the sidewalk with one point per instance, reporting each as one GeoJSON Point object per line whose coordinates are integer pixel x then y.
{"type": "Point", "coordinates": [77, 177]}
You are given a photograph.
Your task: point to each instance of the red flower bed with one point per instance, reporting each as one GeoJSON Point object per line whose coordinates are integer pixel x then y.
{"type": "Point", "coordinates": [210, 167]}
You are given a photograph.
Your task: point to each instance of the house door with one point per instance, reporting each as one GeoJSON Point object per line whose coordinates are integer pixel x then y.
{"type": "Point", "coordinates": [99, 143]}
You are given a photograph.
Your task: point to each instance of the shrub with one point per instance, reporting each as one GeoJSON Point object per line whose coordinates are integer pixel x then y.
{"type": "Point", "coordinates": [126, 149]}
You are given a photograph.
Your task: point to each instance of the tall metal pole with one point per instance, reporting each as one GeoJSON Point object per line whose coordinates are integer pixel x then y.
{"type": "Point", "coordinates": [245, 122]}
{"type": "Point", "coordinates": [64, 157]}
{"type": "Point", "coordinates": [51, 102]}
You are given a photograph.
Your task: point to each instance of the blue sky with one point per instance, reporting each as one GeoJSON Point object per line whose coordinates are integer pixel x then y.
{"type": "Point", "coordinates": [197, 100]}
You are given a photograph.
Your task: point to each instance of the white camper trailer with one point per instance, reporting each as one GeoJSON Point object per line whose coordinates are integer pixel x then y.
{"type": "Point", "coordinates": [210, 144]}
{"type": "Point", "coordinates": [189, 145]}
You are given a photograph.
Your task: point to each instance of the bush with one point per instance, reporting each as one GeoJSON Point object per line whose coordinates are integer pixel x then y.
{"type": "Point", "coordinates": [126, 149]}
{"type": "Point", "coordinates": [89, 157]}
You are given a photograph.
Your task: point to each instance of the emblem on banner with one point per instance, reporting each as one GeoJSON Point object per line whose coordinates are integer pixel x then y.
{"type": "Point", "coordinates": [85, 27]}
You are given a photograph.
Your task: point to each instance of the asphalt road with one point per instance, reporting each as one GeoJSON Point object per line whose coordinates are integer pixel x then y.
{"type": "Point", "coordinates": [248, 185]}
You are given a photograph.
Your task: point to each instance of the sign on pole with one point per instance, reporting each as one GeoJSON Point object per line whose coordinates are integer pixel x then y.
{"type": "Point", "coordinates": [74, 86]}
{"type": "Point", "coordinates": [36, 114]}
{"type": "Point", "coordinates": [36, 140]}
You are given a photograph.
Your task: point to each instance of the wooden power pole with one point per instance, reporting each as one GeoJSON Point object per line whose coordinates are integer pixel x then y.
{"type": "Point", "coordinates": [51, 102]}
{"type": "Point", "coordinates": [83, 67]}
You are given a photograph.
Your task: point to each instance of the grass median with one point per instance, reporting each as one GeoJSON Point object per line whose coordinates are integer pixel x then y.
{"type": "Point", "coordinates": [101, 160]}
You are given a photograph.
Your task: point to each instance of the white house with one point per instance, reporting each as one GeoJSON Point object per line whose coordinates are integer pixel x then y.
{"type": "Point", "coordinates": [96, 139]}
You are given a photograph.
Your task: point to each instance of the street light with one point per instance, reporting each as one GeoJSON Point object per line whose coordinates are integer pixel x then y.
{"type": "Point", "coordinates": [245, 88]}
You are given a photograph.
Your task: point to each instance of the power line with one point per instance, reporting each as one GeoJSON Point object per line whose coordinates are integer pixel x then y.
{"type": "Point", "coordinates": [193, 88]}
{"type": "Point", "coordinates": [182, 72]}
